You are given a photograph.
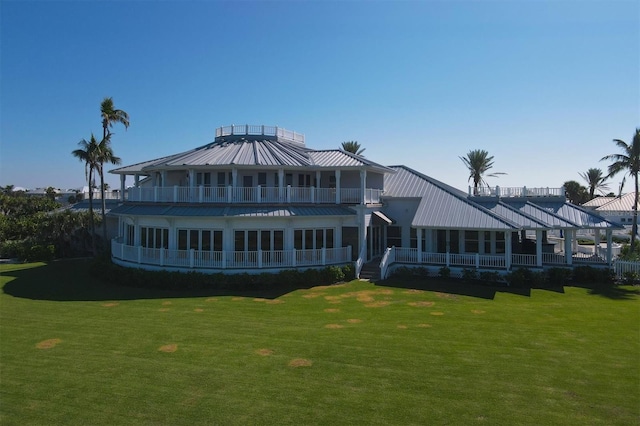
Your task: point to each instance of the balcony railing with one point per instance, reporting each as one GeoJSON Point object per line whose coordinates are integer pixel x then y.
{"type": "Point", "coordinates": [247, 260]}
{"type": "Point", "coordinates": [259, 130]}
{"type": "Point", "coordinates": [267, 195]}
{"type": "Point", "coordinates": [507, 192]}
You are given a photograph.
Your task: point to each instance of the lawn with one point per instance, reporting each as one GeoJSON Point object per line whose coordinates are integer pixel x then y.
{"type": "Point", "coordinates": [77, 351]}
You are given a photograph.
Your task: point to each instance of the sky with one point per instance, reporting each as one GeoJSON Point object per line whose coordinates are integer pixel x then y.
{"type": "Point", "coordinates": [543, 86]}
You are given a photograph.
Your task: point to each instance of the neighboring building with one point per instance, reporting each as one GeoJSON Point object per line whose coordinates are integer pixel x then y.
{"type": "Point", "coordinates": [618, 209]}
{"type": "Point", "coordinates": [258, 199]}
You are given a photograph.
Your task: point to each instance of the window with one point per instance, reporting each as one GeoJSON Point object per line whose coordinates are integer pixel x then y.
{"type": "Point", "coordinates": [500, 242]}
{"type": "Point", "coordinates": [304, 181]}
{"type": "Point", "coordinates": [471, 243]}
{"type": "Point", "coordinates": [200, 239]}
{"type": "Point", "coordinates": [265, 240]}
{"type": "Point", "coordinates": [129, 234]}
{"type": "Point", "coordinates": [154, 237]}
{"type": "Point", "coordinates": [203, 178]}
{"type": "Point", "coordinates": [394, 236]}
{"type": "Point", "coordinates": [262, 179]}
{"type": "Point", "coordinates": [413, 238]}
{"type": "Point", "coordinates": [308, 239]}
{"type": "Point", "coordinates": [487, 241]}
{"type": "Point", "coordinates": [221, 179]}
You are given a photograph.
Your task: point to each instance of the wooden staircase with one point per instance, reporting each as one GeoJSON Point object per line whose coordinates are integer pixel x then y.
{"type": "Point", "coordinates": [371, 271]}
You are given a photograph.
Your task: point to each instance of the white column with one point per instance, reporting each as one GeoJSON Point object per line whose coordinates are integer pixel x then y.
{"type": "Point", "coordinates": [363, 185]}
{"type": "Point", "coordinates": [609, 235]}
{"type": "Point", "coordinates": [539, 248]}
{"type": "Point", "coordinates": [419, 238]}
{"type": "Point", "coordinates": [136, 180]}
{"type": "Point", "coordinates": [428, 240]}
{"type": "Point", "coordinates": [281, 184]}
{"type": "Point", "coordinates": [317, 185]}
{"type": "Point", "coordinates": [338, 198]}
{"type": "Point", "coordinates": [234, 177]}
{"type": "Point", "coordinates": [568, 249]}
{"type": "Point", "coordinates": [507, 248]}
{"type": "Point", "coordinates": [122, 180]}
{"type": "Point", "coordinates": [481, 242]}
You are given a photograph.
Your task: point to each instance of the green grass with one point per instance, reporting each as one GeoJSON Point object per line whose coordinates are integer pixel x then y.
{"type": "Point", "coordinates": [379, 355]}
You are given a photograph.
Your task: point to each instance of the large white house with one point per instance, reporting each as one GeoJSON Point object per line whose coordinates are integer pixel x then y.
{"type": "Point", "coordinates": [257, 199]}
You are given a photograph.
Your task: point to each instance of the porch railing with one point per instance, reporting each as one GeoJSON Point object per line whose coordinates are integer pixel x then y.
{"type": "Point", "coordinates": [201, 259]}
{"type": "Point", "coordinates": [258, 194]}
{"type": "Point", "coordinates": [259, 130]}
{"type": "Point", "coordinates": [523, 191]}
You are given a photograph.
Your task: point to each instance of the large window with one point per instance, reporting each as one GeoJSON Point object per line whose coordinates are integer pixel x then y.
{"type": "Point", "coordinates": [129, 234]}
{"type": "Point", "coordinates": [265, 240]}
{"type": "Point", "coordinates": [394, 236]}
{"type": "Point", "coordinates": [471, 243]}
{"type": "Point", "coordinates": [308, 239]}
{"type": "Point", "coordinates": [200, 239]}
{"type": "Point", "coordinates": [500, 242]}
{"type": "Point", "coordinates": [154, 237]}
{"type": "Point", "coordinates": [203, 178]}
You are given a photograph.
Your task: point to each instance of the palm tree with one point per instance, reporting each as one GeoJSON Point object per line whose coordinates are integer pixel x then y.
{"type": "Point", "coordinates": [629, 162]}
{"type": "Point", "coordinates": [352, 147]}
{"type": "Point", "coordinates": [479, 162]}
{"type": "Point", "coordinates": [595, 181]}
{"type": "Point", "coordinates": [110, 115]}
{"type": "Point", "coordinates": [576, 193]}
{"type": "Point", "coordinates": [104, 154]}
{"type": "Point", "coordinates": [88, 154]}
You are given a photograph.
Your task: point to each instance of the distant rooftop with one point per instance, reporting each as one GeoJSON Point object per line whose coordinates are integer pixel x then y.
{"type": "Point", "coordinates": [252, 131]}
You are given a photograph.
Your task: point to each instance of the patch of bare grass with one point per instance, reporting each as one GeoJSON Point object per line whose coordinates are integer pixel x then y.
{"type": "Point", "coordinates": [422, 303]}
{"type": "Point", "coordinates": [332, 310]}
{"type": "Point", "coordinates": [477, 311]}
{"type": "Point", "coordinates": [354, 321]}
{"type": "Point", "coordinates": [437, 313]}
{"type": "Point", "coordinates": [48, 344]}
{"type": "Point", "coordinates": [168, 348]}
{"type": "Point", "coordinates": [264, 352]}
{"type": "Point", "coordinates": [110, 304]}
{"type": "Point", "coordinates": [334, 326]}
{"type": "Point", "coordinates": [300, 362]}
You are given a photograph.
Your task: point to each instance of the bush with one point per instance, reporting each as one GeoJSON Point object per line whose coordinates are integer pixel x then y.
{"type": "Point", "coordinates": [40, 253]}
{"type": "Point", "coordinates": [559, 276]}
{"type": "Point", "coordinates": [444, 272]}
{"type": "Point", "coordinates": [469, 274]}
{"type": "Point", "coordinates": [490, 277]}
{"type": "Point", "coordinates": [523, 278]}
{"type": "Point", "coordinates": [630, 278]}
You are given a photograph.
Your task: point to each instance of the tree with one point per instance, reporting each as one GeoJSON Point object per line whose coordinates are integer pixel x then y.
{"type": "Point", "coordinates": [576, 193]}
{"type": "Point", "coordinates": [629, 163]}
{"type": "Point", "coordinates": [110, 116]}
{"type": "Point", "coordinates": [104, 155]}
{"type": "Point", "coordinates": [88, 153]}
{"type": "Point", "coordinates": [353, 147]}
{"type": "Point", "coordinates": [595, 181]}
{"type": "Point", "coordinates": [479, 162]}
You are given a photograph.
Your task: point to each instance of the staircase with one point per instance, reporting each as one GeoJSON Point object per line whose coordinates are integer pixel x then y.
{"type": "Point", "coordinates": [371, 271]}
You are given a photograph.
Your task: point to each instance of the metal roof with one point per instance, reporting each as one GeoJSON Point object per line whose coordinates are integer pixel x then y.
{"type": "Point", "coordinates": [255, 152]}
{"type": "Point", "coordinates": [578, 215]}
{"type": "Point", "coordinates": [540, 214]}
{"type": "Point", "coordinates": [523, 220]}
{"type": "Point", "coordinates": [598, 201]}
{"type": "Point", "coordinates": [231, 211]}
{"type": "Point", "coordinates": [441, 205]}
{"type": "Point", "coordinates": [622, 204]}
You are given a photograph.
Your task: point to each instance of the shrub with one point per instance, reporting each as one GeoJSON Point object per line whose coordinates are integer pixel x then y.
{"type": "Point", "coordinates": [558, 276]}
{"type": "Point", "coordinates": [630, 278]}
{"type": "Point", "coordinates": [40, 253]}
{"type": "Point", "coordinates": [490, 277]}
{"type": "Point", "coordinates": [444, 272]}
{"type": "Point", "coordinates": [469, 274]}
{"type": "Point", "coordinates": [521, 277]}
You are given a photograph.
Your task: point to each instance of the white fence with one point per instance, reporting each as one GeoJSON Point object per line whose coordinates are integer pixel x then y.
{"type": "Point", "coordinates": [199, 259]}
{"type": "Point", "coordinates": [258, 194]}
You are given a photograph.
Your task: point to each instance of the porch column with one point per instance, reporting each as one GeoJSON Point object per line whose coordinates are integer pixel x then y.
{"type": "Point", "coordinates": [363, 185]}
{"type": "Point", "coordinates": [596, 241]}
{"type": "Point", "coordinates": [363, 235]}
{"type": "Point", "coordinates": [192, 184]}
{"type": "Point", "coordinates": [609, 235]}
{"type": "Point", "coordinates": [419, 238]}
{"type": "Point", "coordinates": [136, 180]}
{"type": "Point", "coordinates": [481, 242]}
{"type": "Point", "coordinates": [163, 179]}
{"type": "Point", "coordinates": [371, 242]}
{"type": "Point", "coordinates": [281, 184]}
{"type": "Point", "coordinates": [539, 248]}
{"type": "Point", "coordinates": [568, 249]}
{"type": "Point", "coordinates": [234, 177]}
{"type": "Point", "coordinates": [338, 198]}
{"type": "Point", "coordinates": [122, 179]}
{"type": "Point", "coordinates": [507, 249]}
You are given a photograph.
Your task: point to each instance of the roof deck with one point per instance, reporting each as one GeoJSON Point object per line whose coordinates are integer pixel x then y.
{"type": "Point", "coordinates": [258, 131]}
{"type": "Point", "coordinates": [516, 192]}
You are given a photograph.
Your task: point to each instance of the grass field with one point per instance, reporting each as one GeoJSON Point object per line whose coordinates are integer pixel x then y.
{"type": "Point", "coordinates": [77, 351]}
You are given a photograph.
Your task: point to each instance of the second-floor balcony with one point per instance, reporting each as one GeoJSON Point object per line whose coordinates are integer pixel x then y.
{"type": "Point", "coordinates": [515, 192]}
{"type": "Point", "coordinates": [252, 195]}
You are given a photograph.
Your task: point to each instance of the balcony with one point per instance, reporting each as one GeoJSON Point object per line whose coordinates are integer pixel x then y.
{"type": "Point", "coordinates": [229, 260]}
{"type": "Point", "coordinates": [254, 195]}
{"type": "Point", "coordinates": [516, 192]}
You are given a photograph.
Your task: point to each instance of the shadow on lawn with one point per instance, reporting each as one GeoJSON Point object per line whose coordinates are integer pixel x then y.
{"type": "Point", "coordinates": [70, 280]}
{"type": "Point", "coordinates": [462, 288]}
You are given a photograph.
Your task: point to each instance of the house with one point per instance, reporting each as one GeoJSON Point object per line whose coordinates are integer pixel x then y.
{"type": "Point", "coordinates": [257, 199]}
{"type": "Point", "coordinates": [617, 209]}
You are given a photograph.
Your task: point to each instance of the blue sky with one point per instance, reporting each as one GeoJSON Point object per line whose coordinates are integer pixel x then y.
{"type": "Point", "coordinates": [544, 86]}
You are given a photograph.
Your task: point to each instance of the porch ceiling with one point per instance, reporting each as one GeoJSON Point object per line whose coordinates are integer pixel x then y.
{"type": "Point", "coordinates": [231, 211]}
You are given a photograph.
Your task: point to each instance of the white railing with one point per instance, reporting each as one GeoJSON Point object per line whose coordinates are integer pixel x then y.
{"type": "Point", "coordinates": [524, 260]}
{"type": "Point", "coordinates": [201, 259]}
{"type": "Point", "coordinates": [257, 194]}
{"type": "Point", "coordinates": [387, 259]}
{"type": "Point", "coordinates": [498, 191]}
{"type": "Point", "coordinates": [361, 258]}
{"type": "Point", "coordinates": [259, 130]}
{"type": "Point", "coordinates": [406, 255]}
{"type": "Point", "coordinates": [621, 267]}
{"type": "Point", "coordinates": [553, 259]}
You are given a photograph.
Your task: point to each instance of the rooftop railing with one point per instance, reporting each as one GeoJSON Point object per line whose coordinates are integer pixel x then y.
{"type": "Point", "coordinates": [523, 192]}
{"type": "Point", "coordinates": [259, 130]}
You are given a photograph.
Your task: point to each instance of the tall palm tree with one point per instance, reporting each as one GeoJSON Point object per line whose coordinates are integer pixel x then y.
{"type": "Point", "coordinates": [110, 116]}
{"type": "Point", "coordinates": [628, 162]}
{"type": "Point", "coordinates": [87, 153]}
{"type": "Point", "coordinates": [352, 147]}
{"type": "Point", "coordinates": [595, 181]}
{"type": "Point", "coordinates": [479, 162]}
{"type": "Point", "coordinates": [104, 155]}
